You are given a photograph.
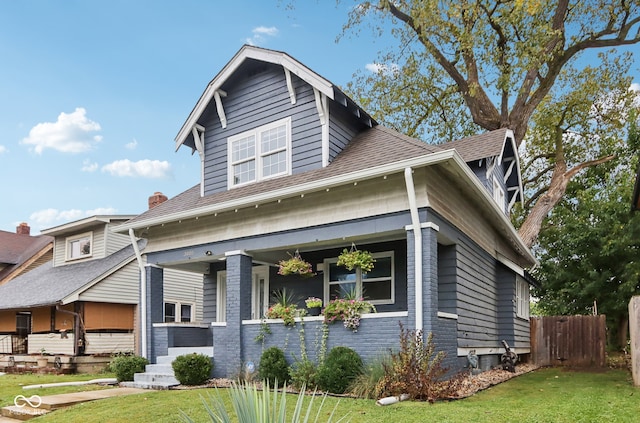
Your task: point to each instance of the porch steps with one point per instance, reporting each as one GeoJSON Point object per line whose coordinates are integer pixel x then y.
{"type": "Point", "coordinates": [160, 375]}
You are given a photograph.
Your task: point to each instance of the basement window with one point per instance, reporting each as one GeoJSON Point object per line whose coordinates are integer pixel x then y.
{"type": "Point", "coordinates": [262, 153]}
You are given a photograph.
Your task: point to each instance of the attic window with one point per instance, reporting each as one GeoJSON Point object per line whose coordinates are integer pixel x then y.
{"type": "Point", "coordinates": [498, 194]}
{"type": "Point", "coordinates": [260, 153]}
{"type": "Point", "coordinates": [79, 246]}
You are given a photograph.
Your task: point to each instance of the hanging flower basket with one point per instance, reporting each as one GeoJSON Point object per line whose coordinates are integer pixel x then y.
{"type": "Point", "coordinates": [356, 258]}
{"type": "Point", "coordinates": [295, 266]}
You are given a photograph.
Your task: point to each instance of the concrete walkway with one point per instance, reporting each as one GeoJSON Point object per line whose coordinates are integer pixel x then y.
{"type": "Point", "coordinates": [53, 402]}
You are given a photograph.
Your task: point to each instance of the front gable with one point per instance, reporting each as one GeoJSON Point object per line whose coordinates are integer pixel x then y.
{"type": "Point", "coordinates": [265, 116]}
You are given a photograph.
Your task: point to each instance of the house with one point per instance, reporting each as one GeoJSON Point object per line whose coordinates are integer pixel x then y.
{"type": "Point", "coordinates": [84, 300]}
{"type": "Point", "coordinates": [290, 163]}
{"type": "Point", "coordinates": [21, 252]}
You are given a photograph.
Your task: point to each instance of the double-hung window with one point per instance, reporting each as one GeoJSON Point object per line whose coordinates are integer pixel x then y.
{"type": "Point", "coordinates": [376, 286]}
{"type": "Point", "coordinates": [79, 246]}
{"type": "Point", "coordinates": [522, 298]}
{"type": "Point", "coordinates": [498, 194]}
{"type": "Point", "coordinates": [178, 312]}
{"type": "Point", "coordinates": [259, 154]}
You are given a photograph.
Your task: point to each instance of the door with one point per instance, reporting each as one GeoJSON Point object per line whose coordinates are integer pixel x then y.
{"type": "Point", "coordinates": [23, 329]}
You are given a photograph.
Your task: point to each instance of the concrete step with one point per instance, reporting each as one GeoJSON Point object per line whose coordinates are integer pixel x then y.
{"type": "Point", "coordinates": [13, 413]}
{"type": "Point", "coordinates": [158, 386]}
{"type": "Point", "coordinates": [158, 368]}
{"type": "Point", "coordinates": [155, 378]}
{"type": "Point", "coordinates": [165, 359]}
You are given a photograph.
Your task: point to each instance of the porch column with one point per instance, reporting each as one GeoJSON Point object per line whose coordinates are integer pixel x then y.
{"type": "Point", "coordinates": [155, 306]}
{"type": "Point", "coordinates": [228, 351]}
{"type": "Point", "coordinates": [429, 280]}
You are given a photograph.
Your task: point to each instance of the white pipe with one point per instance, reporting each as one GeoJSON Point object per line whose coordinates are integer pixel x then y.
{"type": "Point", "coordinates": [106, 381]}
{"type": "Point", "coordinates": [417, 237]}
{"type": "Point", "coordinates": [143, 295]}
{"type": "Point", "coordinates": [392, 400]}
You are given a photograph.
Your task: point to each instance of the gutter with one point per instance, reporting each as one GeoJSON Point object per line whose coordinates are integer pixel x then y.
{"type": "Point", "coordinates": [417, 238]}
{"type": "Point", "coordinates": [143, 295]}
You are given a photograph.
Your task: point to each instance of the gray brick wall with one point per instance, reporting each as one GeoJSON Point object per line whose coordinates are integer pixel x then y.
{"type": "Point", "coordinates": [155, 306]}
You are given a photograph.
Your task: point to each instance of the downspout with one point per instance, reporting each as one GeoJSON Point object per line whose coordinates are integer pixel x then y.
{"type": "Point", "coordinates": [417, 238]}
{"type": "Point", "coordinates": [143, 294]}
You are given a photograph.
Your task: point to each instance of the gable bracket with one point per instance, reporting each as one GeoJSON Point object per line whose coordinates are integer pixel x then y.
{"type": "Point", "coordinates": [321, 105]}
{"type": "Point", "coordinates": [292, 91]}
{"type": "Point", "coordinates": [216, 95]}
{"type": "Point", "coordinates": [509, 170]}
{"type": "Point", "coordinates": [516, 191]}
{"type": "Point", "coordinates": [198, 138]}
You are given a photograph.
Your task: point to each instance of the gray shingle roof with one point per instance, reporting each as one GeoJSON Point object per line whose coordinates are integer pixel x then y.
{"type": "Point", "coordinates": [476, 147]}
{"type": "Point", "coordinates": [47, 285]}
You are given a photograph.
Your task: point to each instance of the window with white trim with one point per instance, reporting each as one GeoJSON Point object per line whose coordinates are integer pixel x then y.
{"type": "Point", "coordinates": [376, 286]}
{"type": "Point", "coordinates": [498, 194]}
{"type": "Point", "coordinates": [178, 312]}
{"type": "Point", "coordinates": [522, 298]}
{"type": "Point", "coordinates": [261, 153]}
{"type": "Point", "coordinates": [79, 246]}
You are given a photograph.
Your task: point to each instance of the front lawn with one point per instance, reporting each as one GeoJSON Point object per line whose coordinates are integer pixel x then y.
{"type": "Point", "coordinates": [547, 395]}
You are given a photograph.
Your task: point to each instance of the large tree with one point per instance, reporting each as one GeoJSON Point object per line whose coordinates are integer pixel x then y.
{"type": "Point", "coordinates": [464, 66]}
{"type": "Point", "coordinates": [590, 248]}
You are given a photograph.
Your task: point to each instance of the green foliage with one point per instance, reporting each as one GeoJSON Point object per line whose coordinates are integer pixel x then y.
{"type": "Point", "coordinates": [265, 406]}
{"type": "Point", "coordinates": [285, 307]}
{"type": "Point", "coordinates": [416, 369]}
{"type": "Point", "coordinates": [192, 369]}
{"type": "Point", "coordinates": [273, 366]}
{"type": "Point", "coordinates": [125, 366]}
{"type": "Point", "coordinates": [354, 258]}
{"type": "Point", "coordinates": [349, 311]}
{"type": "Point", "coordinates": [367, 384]}
{"type": "Point", "coordinates": [589, 249]}
{"type": "Point", "coordinates": [295, 265]}
{"type": "Point", "coordinates": [339, 369]}
{"type": "Point", "coordinates": [303, 373]}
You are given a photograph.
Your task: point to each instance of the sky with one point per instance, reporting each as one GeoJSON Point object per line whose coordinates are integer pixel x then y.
{"type": "Point", "coordinates": [93, 92]}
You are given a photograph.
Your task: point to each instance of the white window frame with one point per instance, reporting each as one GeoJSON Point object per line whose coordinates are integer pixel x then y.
{"type": "Point", "coordinates": [77, 238]}
{"type": "Point", "coordinates": [259, 294]}
{"type": "Point", "coordinates": [178, 311]}
{"type": "Point", "coordinates": [523, 298]}
{"type": "Point", "coordinates": [498, 194]}
{"type": "Point", "coordinates": [259, 155]}
{"type": "Point", "coordinates": [359, 280]}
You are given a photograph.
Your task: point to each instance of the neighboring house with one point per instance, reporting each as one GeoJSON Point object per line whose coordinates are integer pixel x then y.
{"type": "Point", "coordinates": [20, 252]}
{"type": "Point", "coordinates": [84, 301]}
{"type": "Point", "coordinates": [290, 163]}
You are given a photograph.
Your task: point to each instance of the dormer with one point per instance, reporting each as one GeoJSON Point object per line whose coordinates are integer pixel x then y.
{"type": "Point", "coordinates": [87, 239]}
{"type": "Point", "coordinates": [264, 116]}
{"type": "Point", "coordinates": [493, 158]}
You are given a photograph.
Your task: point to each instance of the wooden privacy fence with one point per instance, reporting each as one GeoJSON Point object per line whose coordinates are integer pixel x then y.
{"type": "Point", "coordinates": [571, 341]}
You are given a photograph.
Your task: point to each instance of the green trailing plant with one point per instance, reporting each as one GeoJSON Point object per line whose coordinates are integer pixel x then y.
{"type": "Point", "coordinates": [263, 406]}
{"type": "Point", "coordinates": [349, 311]}
{"type": "Point", "coordinates": [295, 265]}
{"type": "Point", "coordinates": [355, 258]}
{"type": "Point", "coordinates": [192, 369]}
{"type": "Point", "coordinates": [417, 370]}
{"type": "Point", "coordinates": [273, 367]}
{"type": "Point", "coordinates": [339, 369]}
{"type": "Point", "coordinates": [125, 366]}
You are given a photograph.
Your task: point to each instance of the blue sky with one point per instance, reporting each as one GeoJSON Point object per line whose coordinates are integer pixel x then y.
{"type": "Point", "coordinates": [92, 93]}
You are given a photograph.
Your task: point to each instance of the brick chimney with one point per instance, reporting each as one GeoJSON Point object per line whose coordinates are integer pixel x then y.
{"type": "Point", "coordinates": [23, 229]}
{"type": "Point", "coordinates": [156, 199]}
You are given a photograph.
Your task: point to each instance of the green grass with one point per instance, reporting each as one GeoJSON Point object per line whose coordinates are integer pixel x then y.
{"type": "Point", "coordinates": [547, 395]}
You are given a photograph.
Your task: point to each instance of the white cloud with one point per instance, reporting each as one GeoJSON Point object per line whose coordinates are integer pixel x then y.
{"type": "Point", "coordinates": [131, 145]}
{"type": "Point", "coordinates": [3, 149]}
{"type": "Point", "coordinates": [87, 166]}
{"type": "Point", "coordinates": [635, 86]}
{"type": "Point", "coordinates": [381, 68]}
{"type": "Point", "coordinates": [52, 217]}
{"type": "Point", "coordinates": [152, 169]}
{"type": "Point", "coordinates": [71, 133]}
{"type": "Point", "coordinates": [260, 34]}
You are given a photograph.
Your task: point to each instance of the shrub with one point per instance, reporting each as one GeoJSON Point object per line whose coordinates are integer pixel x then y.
{"type": "Point", "coordinates": [416, 369]}
{"type": "Point", "coordinates": [339, 369]}
{"type": "Point", "coordinates": [303, 374]}
{"type": "Point", "coordinates": [274, 367]}
{"type": "Point", "coordinates": [192, 369]}
{"type": "Point", "coordinates": [367, 384]}
{"type": "Point", "coordinates": [125, 366]}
